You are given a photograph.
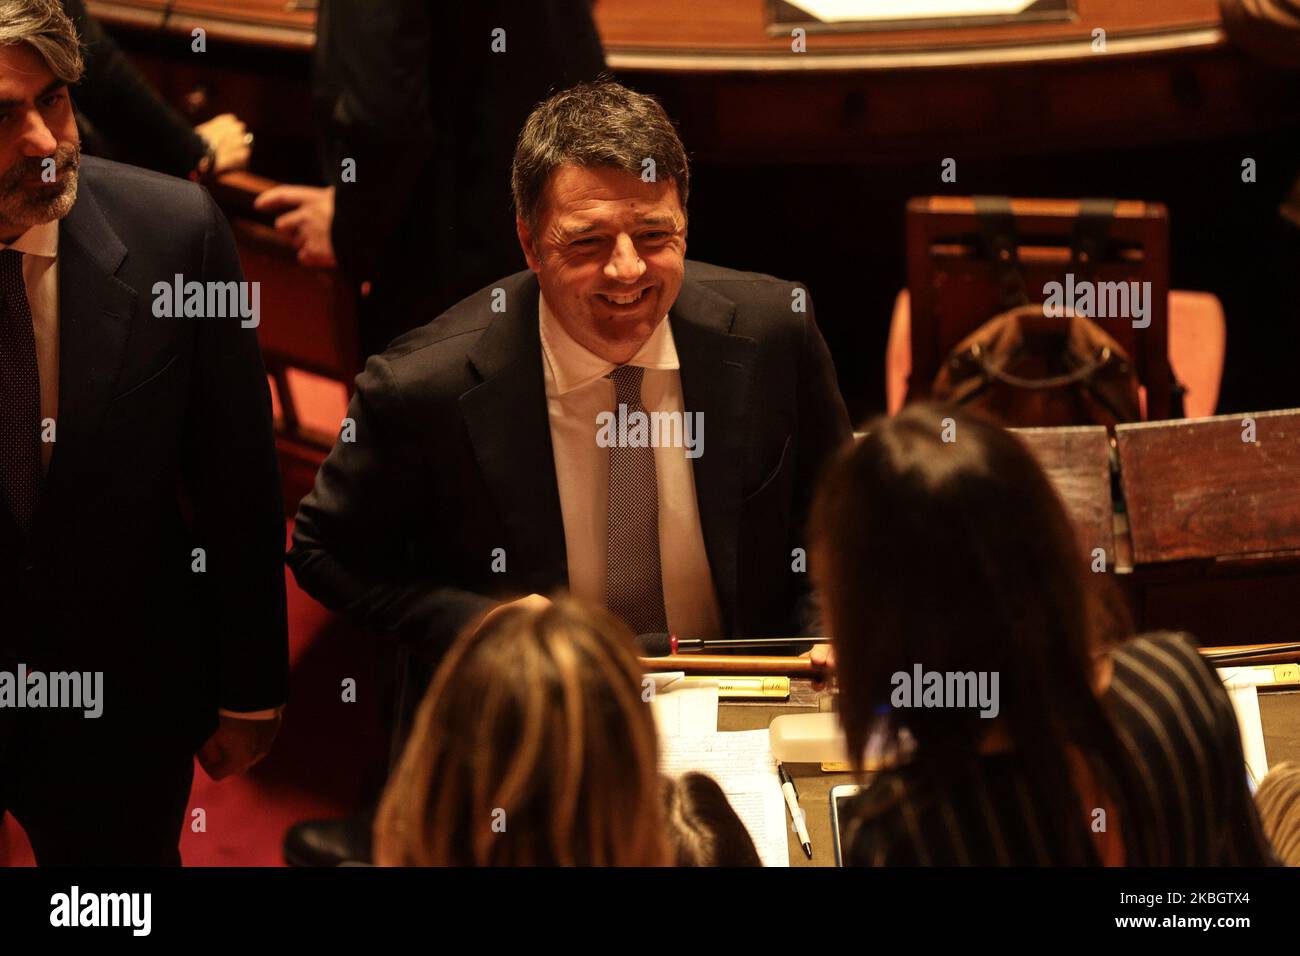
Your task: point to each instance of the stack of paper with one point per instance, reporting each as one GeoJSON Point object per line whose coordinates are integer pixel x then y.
{"type": "Point", "coordinates": [684, 707]}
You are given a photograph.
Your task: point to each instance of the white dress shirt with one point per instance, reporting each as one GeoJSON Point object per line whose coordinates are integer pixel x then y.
{"type": "Point", "coordinates": [577, 391]}
{"type": "Point", "coordinates": [40, 248]}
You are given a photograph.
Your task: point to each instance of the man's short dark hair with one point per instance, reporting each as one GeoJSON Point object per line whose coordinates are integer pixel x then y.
{"type": "Point", "coordinates": [595, 124]}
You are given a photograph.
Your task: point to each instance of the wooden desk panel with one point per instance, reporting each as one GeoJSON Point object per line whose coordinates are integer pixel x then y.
{"type": "Point", "coordinates": [674, 30]}
{"type": "Point", "coordinates": [1195, 489]}
{"type": "Point", "coordinates": [1077, 460]}
{"type": "Point", "coordinates": [733, 34]}
{"type": "Point", "coordinates": [286, 24]}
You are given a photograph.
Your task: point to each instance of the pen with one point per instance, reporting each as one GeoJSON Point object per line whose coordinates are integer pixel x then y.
{"type": "Point", "coordinates": [796, 815]}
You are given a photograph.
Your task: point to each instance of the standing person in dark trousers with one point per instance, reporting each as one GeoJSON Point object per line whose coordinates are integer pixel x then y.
{"type": "Point", "coordinates": [423, 102]}
{"type": "Point", "coordinates": [141, 525]}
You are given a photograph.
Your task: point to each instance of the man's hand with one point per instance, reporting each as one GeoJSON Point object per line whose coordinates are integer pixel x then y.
{"type": "Point", "coordinates": [237, 745]}
{"type": "Point", "coordinates": [307, 224]}
{"type": "Point", "coordinates": [228, 137]}
{"type": "Point", "coordinates": [823, 658]}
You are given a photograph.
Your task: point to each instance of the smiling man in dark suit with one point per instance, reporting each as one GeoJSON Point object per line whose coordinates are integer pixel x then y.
{"type": "Point", "coordinates": [475, 472]}
{"type": "Point", "coordinates": [141, 531]}
{"type": "Point", "coordinates": [494, 454]}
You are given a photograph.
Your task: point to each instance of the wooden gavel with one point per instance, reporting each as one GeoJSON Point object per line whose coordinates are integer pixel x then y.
{"type": "Point", "coordinates": [1246, 655]}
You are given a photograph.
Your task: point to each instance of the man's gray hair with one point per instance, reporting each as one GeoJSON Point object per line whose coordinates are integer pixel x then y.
{"type": "Point", "coordinates": [595, 124]}
{"type": "Point", "coordinates": [43, 26]}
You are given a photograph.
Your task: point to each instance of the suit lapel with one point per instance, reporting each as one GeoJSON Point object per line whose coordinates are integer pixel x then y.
{"type": "Point", "coordinates": [509, 428]}
{"type": "Point", "coordinates": [95, 310]}
{"type": "Point", "coordinates": [511, 433]}
{"type": "Point", "coordinates": [716, 380]}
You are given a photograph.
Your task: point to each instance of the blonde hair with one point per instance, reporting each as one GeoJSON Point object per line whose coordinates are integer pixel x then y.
{"type": "Point", "coordinates": [1278, 800]}
{"type": "Point", "coordinates": [532, 747]}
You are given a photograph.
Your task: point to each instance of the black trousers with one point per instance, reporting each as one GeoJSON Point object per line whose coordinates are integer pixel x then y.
{"type": "Point", "coordinates": [89, 793]}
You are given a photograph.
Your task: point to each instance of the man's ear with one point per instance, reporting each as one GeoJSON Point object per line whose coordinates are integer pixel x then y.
{"type": "Point", "coordinates": [526, 243]}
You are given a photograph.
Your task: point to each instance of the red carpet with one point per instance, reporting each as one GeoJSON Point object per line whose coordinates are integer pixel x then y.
{"type": "Point", "coordinates": [323, 759]}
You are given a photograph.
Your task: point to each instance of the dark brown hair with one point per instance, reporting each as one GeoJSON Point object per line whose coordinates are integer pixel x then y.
{"type": "Point", "coordinates": [702, 827]}
{"type": "Point", "coordinates": [938, 540]}
{"type": "Point", "coordinates": [595, 124]}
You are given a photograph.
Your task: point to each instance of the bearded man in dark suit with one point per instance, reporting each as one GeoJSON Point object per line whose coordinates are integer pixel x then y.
{"type": "Point", "coordinates": [141, 529]}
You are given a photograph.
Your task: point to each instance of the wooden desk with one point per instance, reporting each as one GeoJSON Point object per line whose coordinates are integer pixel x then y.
{"type": "Point", "coordinates": [280, 24]}
{"type": "Point", "coordinates": [681, 35]}
{"type": "Point", "coordinates": [1198, 489]}
{"type": "Point", "coordinates": [1077, 461]}
{"type": "Point", "coordinates": [1207, 536]}
{"type": "Point", "coordinates": [814, 786]}
{"type": "Point", "coordinates": [1215, 525]}
{"type": "Point", "coordinates": [1279, 712]}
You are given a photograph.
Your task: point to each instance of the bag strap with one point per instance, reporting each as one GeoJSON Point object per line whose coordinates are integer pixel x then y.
{"type": "Point", "coordinates": [1080, 374]}
{"type": "Point", "coordinates": [1091, 239]}
{"type": "Point", "coordinates": [1001, 242]}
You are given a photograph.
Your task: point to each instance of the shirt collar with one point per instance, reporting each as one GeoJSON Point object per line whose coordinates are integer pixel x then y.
{"type": "Point", "coordinates": [40, 240]}
{"type": "Point", "coordinates": [573, 365]}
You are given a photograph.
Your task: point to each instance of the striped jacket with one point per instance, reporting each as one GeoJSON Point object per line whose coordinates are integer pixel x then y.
{"type": "Point", "coordinates": [1173, 717]}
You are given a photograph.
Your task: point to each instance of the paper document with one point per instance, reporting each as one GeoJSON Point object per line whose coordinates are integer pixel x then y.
{"type": "Point", "coordinates": [743, 766]}
{"type": "Point", "coordinates": [682, 707]}
{"type": "Point", "coordinates": [1240, 683]}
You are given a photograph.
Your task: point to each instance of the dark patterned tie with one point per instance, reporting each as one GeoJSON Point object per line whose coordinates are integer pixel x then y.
{"type": "Point", "coordinates": [633, 586]}
{"type": "Point", "coordinates": [20, 395]}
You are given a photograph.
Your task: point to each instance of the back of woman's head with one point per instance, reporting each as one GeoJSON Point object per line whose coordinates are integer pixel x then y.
{"type": "Point", "coordinates": [939, 543]}
{"type": "Point", "coordinates": [938, 540]}
{"type": "Point", "coordinates": [703, 829]}
{"type": "Point", "coordinates": [531, 747]}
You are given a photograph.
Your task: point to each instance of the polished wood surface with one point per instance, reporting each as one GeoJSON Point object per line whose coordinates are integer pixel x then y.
{"type": "Point", "coordinates": [733, 34]}
{"type": "Point", "coordinates": [1253, 655]}
{"type": "Point", "coordinates": [729, 664]}
{"type": "Point", "coordinates": [287, 24]}
{"type": "Point", "coordinates": [1196, 489]}
{"type": "Point", "coordinates": [1077, 461]}
{"type": "Point", "coordinates": [1214, 525]}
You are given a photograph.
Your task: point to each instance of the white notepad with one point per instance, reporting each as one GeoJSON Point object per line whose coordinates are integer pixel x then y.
{"type": "Point", "coordinates": [684, 707]}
